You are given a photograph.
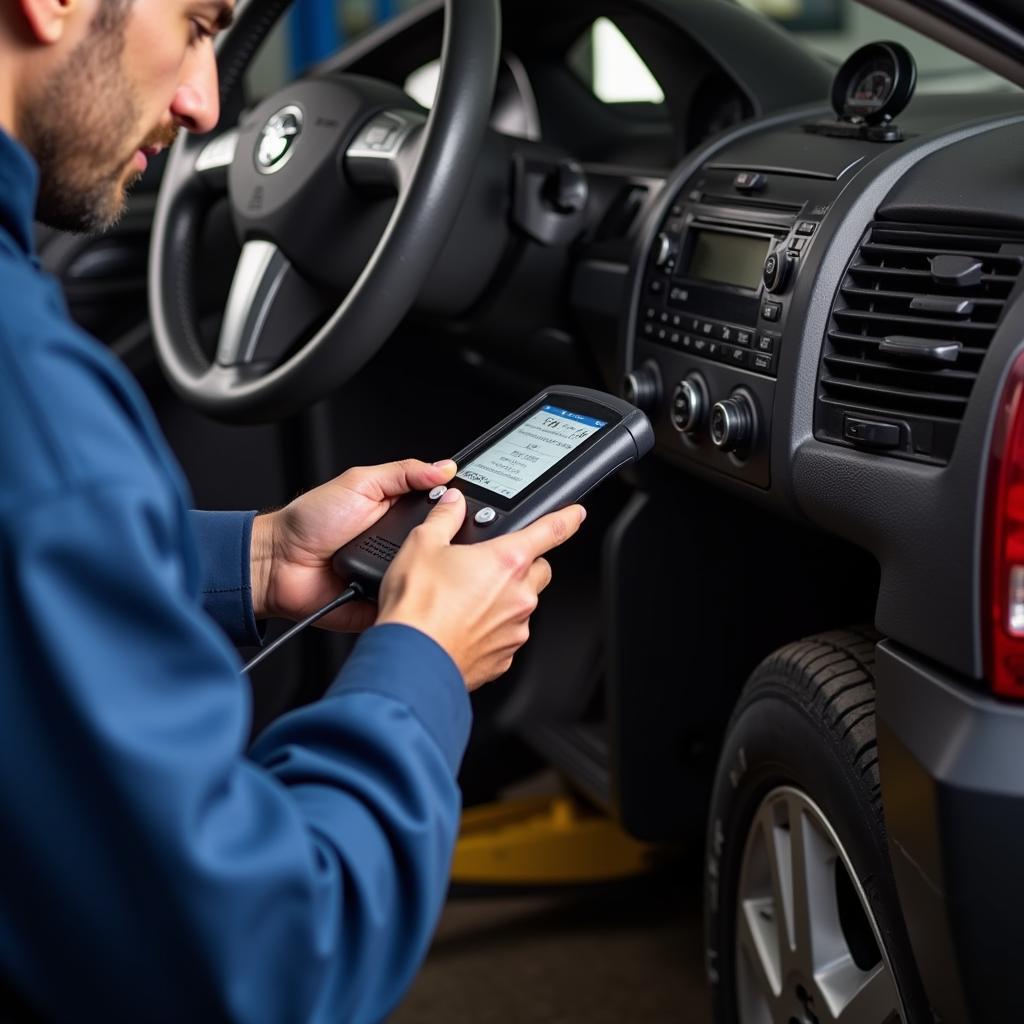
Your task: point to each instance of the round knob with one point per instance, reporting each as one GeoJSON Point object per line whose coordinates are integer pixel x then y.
{"type": "Point", "coordinates": [777, 269]}
{"type": "Point", "coordinates": [733, 423]}
{"type": "Point", "coordinates": [642, 387]}
{"type": "Point", "coordinates": [662, 249]}
{"type": "Point", "coordinates": [689, 403]}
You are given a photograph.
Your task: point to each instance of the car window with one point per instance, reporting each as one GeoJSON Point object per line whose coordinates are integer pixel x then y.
{"type": "Point", "coordinates": [835, 28]}
{"type": "Point", "coordinates": [605, 60]}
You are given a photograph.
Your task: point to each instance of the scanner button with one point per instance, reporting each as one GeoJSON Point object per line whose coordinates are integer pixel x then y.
{"type": "Point", "coordinates": [437, 492]}
{"type": "Point", "coordinates": [485, 516]}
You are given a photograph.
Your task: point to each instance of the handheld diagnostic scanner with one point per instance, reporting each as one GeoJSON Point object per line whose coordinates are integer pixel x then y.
{"type": "Point", "coordinates": [546, 455]}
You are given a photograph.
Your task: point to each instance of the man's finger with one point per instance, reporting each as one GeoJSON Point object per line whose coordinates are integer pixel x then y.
{"type": "Point", "coordinates": [395, 478]}
{"type": "Point", "coordinates": [547, 532]}
{"type": "Point", "coordinates": [445, 517]}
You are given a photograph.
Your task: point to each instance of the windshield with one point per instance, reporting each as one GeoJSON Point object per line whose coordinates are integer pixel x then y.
{"type": "Point", "coordinates": [835, 28]}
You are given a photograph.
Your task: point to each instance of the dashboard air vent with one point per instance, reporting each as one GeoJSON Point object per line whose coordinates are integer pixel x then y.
{"type": "Point", "coordinates": [909, 328]}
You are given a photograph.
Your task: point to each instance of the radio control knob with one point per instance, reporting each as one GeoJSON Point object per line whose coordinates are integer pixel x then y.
{"type": "Point", "coordinates": [689, 405]}
{"type": "Point", "coordinates": [642, 386]}
{"type": "Point", "coordinates": [777, 269]}
{"type": "Point", "coordinates": [733, 423]}
{"type": "Point", "coordinates": [662, 249]}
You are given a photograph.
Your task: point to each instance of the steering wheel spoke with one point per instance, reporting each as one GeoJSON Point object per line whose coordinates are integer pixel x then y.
{"type": "Point", "coordinates": [269, 308]}
{"type": "Point", "coordinates": [215, 158]}
{"type": "Point", "coordinates": [384, 153]}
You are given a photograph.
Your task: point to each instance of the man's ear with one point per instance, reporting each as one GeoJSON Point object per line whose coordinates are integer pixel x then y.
{"type": "Point", "coordinates": [46, 20]}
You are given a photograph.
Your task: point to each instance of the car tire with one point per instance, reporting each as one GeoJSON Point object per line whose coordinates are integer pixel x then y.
{"type": "Point", "coordinates": [802, 920]}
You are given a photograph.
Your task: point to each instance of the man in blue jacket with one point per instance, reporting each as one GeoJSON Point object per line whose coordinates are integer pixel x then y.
{"type": "Point", "coordinates": [153, 869]}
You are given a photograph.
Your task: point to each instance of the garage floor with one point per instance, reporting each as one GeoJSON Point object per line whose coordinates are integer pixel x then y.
{"type": "Point", "coordinates": [623, 954]}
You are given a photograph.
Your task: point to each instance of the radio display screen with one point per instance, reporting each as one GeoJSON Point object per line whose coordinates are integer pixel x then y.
{"type": "Point", "coordinates": [728, 259]}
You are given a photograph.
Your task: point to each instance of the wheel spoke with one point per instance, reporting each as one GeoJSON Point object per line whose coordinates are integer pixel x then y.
{"type": "Point", "coordinates": [759, 980]}
{"type": "Point", "coordinates": [872, 998]}
{"type": "Point", "coordinates": [269, 307]}
{"type": "Point", "coordinates": [802, 881]}
{"type": "Point", "coordinates": [384, 152]}
{"type": "Point", "coordinates": [215, 158]}
{"type": "Point", "coordinates": [779, 848]}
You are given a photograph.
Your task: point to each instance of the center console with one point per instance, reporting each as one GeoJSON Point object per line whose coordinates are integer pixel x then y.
{"type": "Point", "coordinates": [710, 320]}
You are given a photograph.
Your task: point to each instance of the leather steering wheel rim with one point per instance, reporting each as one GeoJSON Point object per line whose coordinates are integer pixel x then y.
{"type": "Point", "coordinates": [395, 273]}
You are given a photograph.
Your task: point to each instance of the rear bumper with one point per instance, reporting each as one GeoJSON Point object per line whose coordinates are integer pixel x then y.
{"type": "Point", "coordinates": [952, 773]}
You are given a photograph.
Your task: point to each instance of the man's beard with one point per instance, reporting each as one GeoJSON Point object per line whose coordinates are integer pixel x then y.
{"type": "Point", "coordinates": [80, 128]}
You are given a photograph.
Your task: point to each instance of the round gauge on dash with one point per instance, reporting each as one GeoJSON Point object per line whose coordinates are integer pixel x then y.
{"type": "Point", "coordinates": [875, 83]}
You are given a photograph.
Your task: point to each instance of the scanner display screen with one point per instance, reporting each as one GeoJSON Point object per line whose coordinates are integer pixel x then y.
{"type": "Point", "coordinates": [728, 259]}
{"type": "Point", "coordinates": [530, 449]}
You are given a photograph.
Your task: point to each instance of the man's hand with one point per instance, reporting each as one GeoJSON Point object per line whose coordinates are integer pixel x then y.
{"type": "Point", "coordinates": [292, 548]}
{"type": "Point", "coordinates": [475, 600]}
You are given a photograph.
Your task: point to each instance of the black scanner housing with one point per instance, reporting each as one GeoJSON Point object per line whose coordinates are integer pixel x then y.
{"type": "Point", "coordinates": [628, 437]}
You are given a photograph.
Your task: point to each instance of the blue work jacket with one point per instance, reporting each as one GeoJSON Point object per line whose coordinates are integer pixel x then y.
{"type": "Point", "coordinates": [152, 868]}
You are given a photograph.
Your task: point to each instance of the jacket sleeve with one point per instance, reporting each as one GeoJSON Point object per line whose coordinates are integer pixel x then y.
{"type": "Point", "coordinates": [225, 541]}
{"type": "Point", "coordinates": [174, 876]}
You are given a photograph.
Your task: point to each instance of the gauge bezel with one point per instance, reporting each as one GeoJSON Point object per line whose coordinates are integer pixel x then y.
{"type": "Point", "coordinates": [904, 75]}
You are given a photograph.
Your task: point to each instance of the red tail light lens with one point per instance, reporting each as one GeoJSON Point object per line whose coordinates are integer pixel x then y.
{"type": "Point", "coordinates": [1005, 542]}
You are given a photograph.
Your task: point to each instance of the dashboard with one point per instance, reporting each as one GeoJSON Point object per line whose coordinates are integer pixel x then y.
{"type": "Point", "coordinates": [816, 302]}
{"type": "Point", "coordinates": [821, 320]}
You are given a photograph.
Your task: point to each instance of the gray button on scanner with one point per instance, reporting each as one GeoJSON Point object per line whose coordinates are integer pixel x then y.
{"type": "Point", "coordinates": [485, 516]}
{"type": "Point", "coordinates": [437, 492]}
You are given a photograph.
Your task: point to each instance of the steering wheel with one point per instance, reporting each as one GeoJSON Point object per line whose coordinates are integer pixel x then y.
{"type": "Point", "coordinates": [342, 193]}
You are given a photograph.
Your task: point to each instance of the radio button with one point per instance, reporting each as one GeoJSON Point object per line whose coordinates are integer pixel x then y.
{"type": "Point", "coordinates": [744, 338]}
{"type": "Point", "coordinates": [738, 357]}
{"type": "Point", "coordinates": [766, 343]}
{"type": "Point", "coordinates": [437, 493]}
{"type": "Point", "coordinates": [485, 516]}
{"type": "Point", "coordinates": [656, 287]}
{"type": "Point", "coordinates": [700, 345]}
{"type": "Point", "coordinates": [806, 227]}
{"type": "Point", "coordinates": [771, 311]}
{"type": "Point", "coordinates": [762, 363]}
{"type": "Point", "coordinates": [714, 350]}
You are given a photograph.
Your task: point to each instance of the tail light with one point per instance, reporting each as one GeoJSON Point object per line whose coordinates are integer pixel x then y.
{"type": "Point", "coordinates": [1004, 585]}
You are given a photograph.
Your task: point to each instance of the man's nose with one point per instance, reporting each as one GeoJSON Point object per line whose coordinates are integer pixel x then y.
{"type": "Point", "coordinates": [196, 104]}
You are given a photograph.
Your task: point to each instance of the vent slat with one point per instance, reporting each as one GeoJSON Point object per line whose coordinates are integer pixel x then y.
{"type": "Point", "coordinates": [850, 404]}
{"type": "Point", "coordinates": [855, 365]}
{"type": "Point", "coordinates": [901, 321]}
{"type": "Point", "coordinates": [871, 293]}
{"type": "Point", "coordinates": [924, 275]}
{"type": "Point", "coordinates": [876, 248]}
{"type": "Point", "coordinates": [889, 271]}
{"type": "Point", "coordinates": [951, 402]}
{"type": "Point", "coordinates": [872, 343]}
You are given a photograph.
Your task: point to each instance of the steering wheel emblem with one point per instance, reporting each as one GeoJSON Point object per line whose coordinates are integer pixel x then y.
{"type": "Point", "coordinates": [277, 140]}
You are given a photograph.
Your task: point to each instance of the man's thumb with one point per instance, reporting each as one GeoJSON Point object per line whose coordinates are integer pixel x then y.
{"type": "Point", "coordinates": [447, 515]}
